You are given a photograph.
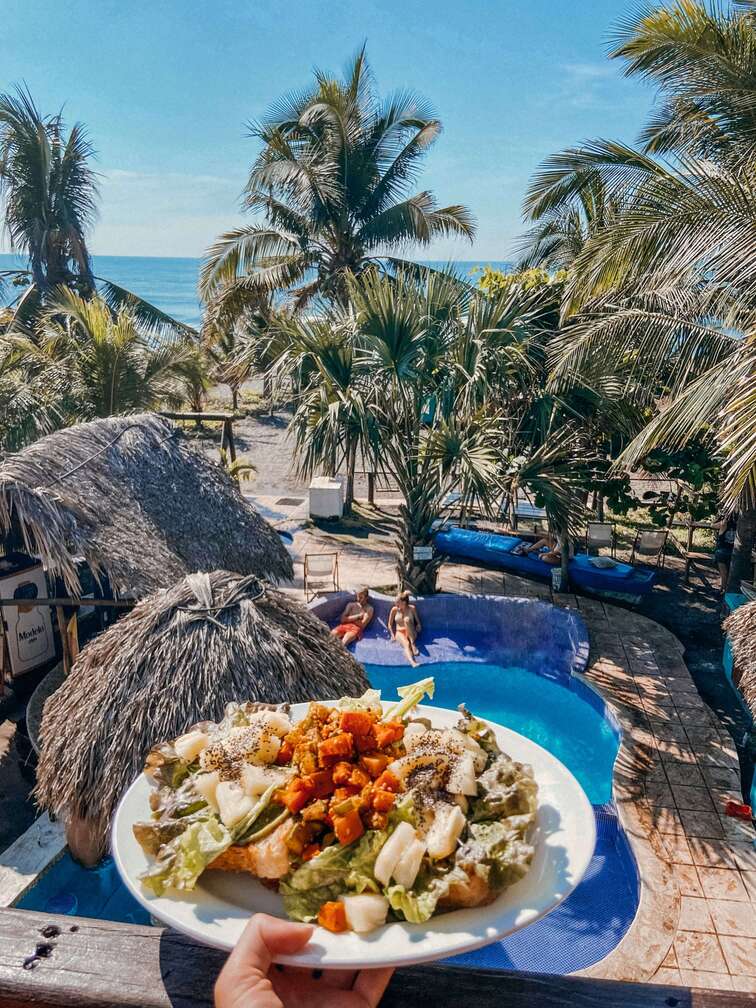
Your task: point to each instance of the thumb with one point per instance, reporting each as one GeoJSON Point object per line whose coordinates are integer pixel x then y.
{"type": "Point", "coordinates": [266, 937]}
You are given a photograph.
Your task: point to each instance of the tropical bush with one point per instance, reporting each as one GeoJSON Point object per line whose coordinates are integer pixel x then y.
{"type": "Point", "coordinates": [662, 292]}
{"type": "Point", "coordinates": [81, 361]}
{"type": "Point", "coordinates": [442, 389]}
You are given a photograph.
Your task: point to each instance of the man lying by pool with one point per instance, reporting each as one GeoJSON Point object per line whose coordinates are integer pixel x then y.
{"type": "Point", "coordinates": [355, 618]}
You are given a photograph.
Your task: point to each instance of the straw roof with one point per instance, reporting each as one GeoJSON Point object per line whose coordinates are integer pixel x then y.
{"type": "Point", "coordinates": [176, 659]}
{"type": "Point", "coordinates": [138, 502]}
{"type": "Point", "coordinates": [741, 629]}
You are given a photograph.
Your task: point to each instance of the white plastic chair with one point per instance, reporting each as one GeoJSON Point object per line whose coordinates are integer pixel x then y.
{"type": "Point", "coordinates": [650, 545]}
{"type": "Point", "coordinates": [321, 574]}
{"type": "Point", "coordinates": [600, 535]}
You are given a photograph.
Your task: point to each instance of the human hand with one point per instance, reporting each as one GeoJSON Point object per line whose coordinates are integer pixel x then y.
{"type": "Point", "coordinates": [249, 980]}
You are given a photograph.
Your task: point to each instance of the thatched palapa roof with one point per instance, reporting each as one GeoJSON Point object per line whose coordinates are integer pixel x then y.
{"type": "Point", "coordinates": [741, 629]}
{"type": "Point", "coordinates": [176, 659]}
{"type": "Point", "coordinates": [138, 502]}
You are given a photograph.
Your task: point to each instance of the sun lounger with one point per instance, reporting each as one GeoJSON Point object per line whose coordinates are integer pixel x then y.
{"type": "Point", "coordinates": [494, 550]}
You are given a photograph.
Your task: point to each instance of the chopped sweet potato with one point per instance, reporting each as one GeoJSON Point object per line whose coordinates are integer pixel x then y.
{"type": "Point", "coordinates": [374, 763]}
{"type": "Point", "coordinates": [321, 782]}
{"type": "Point", "coordinates": [333, 916]}
{"type": "Point", "coordinates": [296, 795]}
{"type": "Point", "coordinates": [383, 800]}
{"type": "Point", "coordinates": [359, 778]}
{"type": "Point", "coordinates": [335, 748]}
{"type": "Point", "coordinates": [285, 753]}
{"type": "Point", "coordinates": [341, 772]}
{"type": "Point", "coordinates": [365, 743]}
{"type": "Point", "coordinates": [348, 827]}
{"type": "Point", "coordinates": [388, 782]}
{"type": "Point", "coordinates": [310, 851]}
{"type": "Point", "coordinates": [388, 732]}
{"type": "Point", "coordinates": [356, 722]}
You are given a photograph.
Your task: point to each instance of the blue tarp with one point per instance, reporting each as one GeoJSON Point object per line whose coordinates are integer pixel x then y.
{"type": "Point", "coordinates": [494, 550]}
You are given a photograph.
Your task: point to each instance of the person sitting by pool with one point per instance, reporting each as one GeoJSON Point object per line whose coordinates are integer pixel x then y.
{"type": "Point", "coordinates": [355, 618]}
{"type": "Point", "coordinates": [547, 549]}
{"type": "Point", "coordinates": [404, 625]}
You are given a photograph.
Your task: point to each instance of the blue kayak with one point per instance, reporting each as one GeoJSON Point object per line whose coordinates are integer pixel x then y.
{"type": "Point", "coordinates": [494, 550]}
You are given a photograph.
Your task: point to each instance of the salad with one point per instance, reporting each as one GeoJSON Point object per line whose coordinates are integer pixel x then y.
{"type": "Point", "coordinates": [356, 814]}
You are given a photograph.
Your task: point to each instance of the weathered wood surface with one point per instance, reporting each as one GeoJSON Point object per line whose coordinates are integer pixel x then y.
{"type": "Point", "coordinates": [97, 964]}
{"type": "Point", "coordinates": [29, 855]}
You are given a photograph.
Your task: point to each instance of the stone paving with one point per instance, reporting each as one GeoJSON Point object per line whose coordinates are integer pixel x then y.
{"type": "Point", "coordinates": [677, 767]}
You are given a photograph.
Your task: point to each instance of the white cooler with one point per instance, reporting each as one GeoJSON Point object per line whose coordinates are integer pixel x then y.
{"type": "Point", "coordinates": [326, 497]}
{"type": "Point", "coordinates": [28, 628]}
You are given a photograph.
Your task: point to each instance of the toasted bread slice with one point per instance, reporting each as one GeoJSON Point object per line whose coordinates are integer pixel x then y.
{"type": "Point", "coordinates": [266, 859]}
{"type": "Point", "coordinates": [234, 859]}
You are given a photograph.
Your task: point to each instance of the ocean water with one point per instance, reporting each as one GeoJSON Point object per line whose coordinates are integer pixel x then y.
{"type": "Point", "coordinates": [171, 284]}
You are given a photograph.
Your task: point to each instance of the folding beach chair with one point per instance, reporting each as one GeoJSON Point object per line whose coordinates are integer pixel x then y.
{"type": "Point", "coordinates": [321, 574]}
{"type": "Point", "coordinates": [650, 546]}
{"type": "Point", "coordinates": [601, 535]}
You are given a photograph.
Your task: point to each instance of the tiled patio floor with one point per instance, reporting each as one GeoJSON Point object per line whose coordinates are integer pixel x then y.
{"type": "Point", "coordinates": [696, 923]}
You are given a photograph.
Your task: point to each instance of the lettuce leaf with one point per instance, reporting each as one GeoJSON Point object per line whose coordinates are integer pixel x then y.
{"type": "Point", "coordinates": [335, 871]}
{"type": "Point", "coordinates": [505, 789]}
{"type": "Point", "coordinates": [411, 697]}
{"type": "Point", "coordinates": [419, 903]}
{"type": "Point", "coordinates": [369, 701]}
{"type": "Point", "coordinates": [478, 730]}
{"type": "Point", "coordinates": [497, 851]}
{"type": "Point", "coordinates": [183, 859]}
{"type": "Point", "coordinates": [248, 824]}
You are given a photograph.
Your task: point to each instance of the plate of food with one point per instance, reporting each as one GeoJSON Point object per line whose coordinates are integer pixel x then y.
{"type": "Point", "coordinates": [404, 832]}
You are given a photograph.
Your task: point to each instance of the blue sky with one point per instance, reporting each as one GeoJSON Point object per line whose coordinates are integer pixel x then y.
{"type": "Point", "coordinates": [165, 87]}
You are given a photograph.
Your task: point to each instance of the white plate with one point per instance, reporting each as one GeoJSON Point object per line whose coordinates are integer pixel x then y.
{"type": "Point", "coordinates": [216, 911]}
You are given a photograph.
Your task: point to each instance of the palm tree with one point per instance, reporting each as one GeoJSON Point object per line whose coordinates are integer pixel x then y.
{"type": "Point", "coordinates": [333, 183]}
{"type": "Point", "coordinates": [49, 195]}
{"type": "Point", "coordinates": [435, 384]}
{"type": "Point", "coordinates": [89, 363]}
{"type": "Point", "coordinates": [320, 354]}
{"type": "Point", "coordinates": [562, 231]}
{"type": "Point", "coordinates": [667, 287]}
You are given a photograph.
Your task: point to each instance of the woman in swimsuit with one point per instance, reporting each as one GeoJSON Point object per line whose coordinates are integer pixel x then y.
{"type": "Point", "coordinates": [404, 625]}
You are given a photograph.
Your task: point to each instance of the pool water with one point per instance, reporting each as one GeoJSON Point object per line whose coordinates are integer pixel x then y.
{"type": "Point", "coordinates": [564, 721]}
{"type": "Point", "coordinates": [565, 717]}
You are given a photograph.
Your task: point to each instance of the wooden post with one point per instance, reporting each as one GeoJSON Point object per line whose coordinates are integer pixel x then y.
{"type": "Point", "coordinates": [72, 635]}
{"type": "Point", "coordinates": [229, 425]}
{"type": "Point", "coordinates": [63, 631]}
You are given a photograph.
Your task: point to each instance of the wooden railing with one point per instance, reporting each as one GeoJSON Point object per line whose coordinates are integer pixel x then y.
{"type": "Point", "coordinates": [48, 960]}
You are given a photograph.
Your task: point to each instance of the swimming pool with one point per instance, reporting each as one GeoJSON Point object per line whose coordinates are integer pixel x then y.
{"type": "Point", "coordinates": [567, 722]}
{"type": "Point", "coordinates": [510, 660]}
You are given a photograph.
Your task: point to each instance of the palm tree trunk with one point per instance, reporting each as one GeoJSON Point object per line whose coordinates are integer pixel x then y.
{"type": "Point", "coordinates": [415, 575]}
{"type": "Point", "coordinates": [351, 462]}
{"type": "Point", "coordinates": [564, 546]}
{"type": "Point", "coordinates": [741, 565]}
{"type": "Point", "coordinates": [234, 398]}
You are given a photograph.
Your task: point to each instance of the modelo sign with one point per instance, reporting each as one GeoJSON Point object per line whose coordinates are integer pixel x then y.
{"type": "Point", "coordinates": [27, 628]}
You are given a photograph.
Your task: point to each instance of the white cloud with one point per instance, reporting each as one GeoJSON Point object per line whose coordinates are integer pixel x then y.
{"type": "Point", "coordinates": [163, 213]}
{"type": "Point", "coordinates": [589, 71]}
